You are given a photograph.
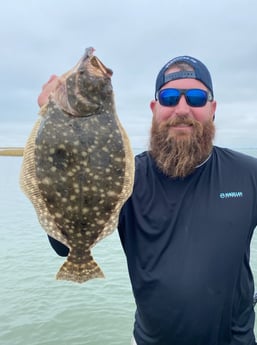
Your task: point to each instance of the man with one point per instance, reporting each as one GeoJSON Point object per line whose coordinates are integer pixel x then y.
{"type": "Point", "coordinates": [187, 227]}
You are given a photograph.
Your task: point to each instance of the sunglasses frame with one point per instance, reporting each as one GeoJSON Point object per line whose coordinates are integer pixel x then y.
{"type": "Point", "coordinates": [184, 92]}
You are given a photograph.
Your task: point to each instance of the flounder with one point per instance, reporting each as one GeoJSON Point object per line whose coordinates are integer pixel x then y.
{"type": "Point", "coordinates": [78, 165]}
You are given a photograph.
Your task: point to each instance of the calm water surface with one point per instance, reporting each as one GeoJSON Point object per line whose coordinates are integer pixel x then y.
{"type": "Point", "coordinates": [38, 310]}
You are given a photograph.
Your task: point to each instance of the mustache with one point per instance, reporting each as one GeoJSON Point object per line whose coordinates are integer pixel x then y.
{"type": "Point", "coordinates": [181, 120]}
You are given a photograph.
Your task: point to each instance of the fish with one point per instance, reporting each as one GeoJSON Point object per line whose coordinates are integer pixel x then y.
{"type": "Point", "coordinates": [78, 165]}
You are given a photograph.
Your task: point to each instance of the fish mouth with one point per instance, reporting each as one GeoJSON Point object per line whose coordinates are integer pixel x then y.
{"type": "Point", "coordinates": [89, 54]}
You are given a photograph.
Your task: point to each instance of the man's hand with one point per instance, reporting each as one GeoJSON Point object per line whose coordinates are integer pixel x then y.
{"type": "Point", "coordinates": [47, 88]}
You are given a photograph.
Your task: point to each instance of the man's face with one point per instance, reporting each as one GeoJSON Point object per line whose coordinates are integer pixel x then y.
{"type": "Point", "coordinates": [182, 135]}
{"type": "Point", "coordinates": [200, 114]}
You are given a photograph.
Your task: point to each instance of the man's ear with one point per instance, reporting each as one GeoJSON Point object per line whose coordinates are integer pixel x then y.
{"type": "Point", "coordinates": [152, 104]}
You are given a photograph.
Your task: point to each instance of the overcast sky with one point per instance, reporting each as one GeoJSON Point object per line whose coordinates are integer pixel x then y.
{"type": "Point", "coordinates": [134, 38]}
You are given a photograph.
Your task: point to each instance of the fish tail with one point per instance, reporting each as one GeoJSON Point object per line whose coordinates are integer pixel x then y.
{"type": "Point", "coordinates": [79, 272]}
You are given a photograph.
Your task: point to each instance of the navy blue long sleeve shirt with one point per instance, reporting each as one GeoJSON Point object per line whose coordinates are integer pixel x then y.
{"type": "Point", "coordinates": [187, 243]}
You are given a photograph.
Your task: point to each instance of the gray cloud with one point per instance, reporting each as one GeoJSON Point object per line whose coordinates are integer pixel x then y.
{"type": "Point", "coordinates": [134, 38]}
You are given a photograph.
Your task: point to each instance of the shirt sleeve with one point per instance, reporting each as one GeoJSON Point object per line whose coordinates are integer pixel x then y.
{"type": "Point", "coordinates": [59, 247]}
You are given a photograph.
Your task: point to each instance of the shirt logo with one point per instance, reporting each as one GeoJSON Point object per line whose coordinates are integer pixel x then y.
{"type": "Point", "coordinates": [229, 195]}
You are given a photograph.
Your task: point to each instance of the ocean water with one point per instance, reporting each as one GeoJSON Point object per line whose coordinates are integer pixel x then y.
{"type": "Point", "coordinates": [36, 309]}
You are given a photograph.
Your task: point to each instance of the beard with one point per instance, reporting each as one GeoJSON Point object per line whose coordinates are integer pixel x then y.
{"type": "Point", "coordinates": [178, 153]}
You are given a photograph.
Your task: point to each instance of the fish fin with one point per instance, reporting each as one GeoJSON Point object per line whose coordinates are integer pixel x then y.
{"type": "Point", "coordinates": [79, 273]}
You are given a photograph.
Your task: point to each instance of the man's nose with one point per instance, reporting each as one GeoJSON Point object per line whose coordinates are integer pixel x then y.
{"type": "Point", "coordinates": [182, 107]}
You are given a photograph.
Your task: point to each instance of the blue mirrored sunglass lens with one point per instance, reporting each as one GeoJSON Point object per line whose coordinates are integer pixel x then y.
{"type": "Point", "coordinates": [169, 97]}
{"type": "Point", "coordinates": [196, 97]}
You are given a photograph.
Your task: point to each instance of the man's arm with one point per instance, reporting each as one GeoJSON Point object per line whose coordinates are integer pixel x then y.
{"type": "Point", "coordinates": [60, 248]}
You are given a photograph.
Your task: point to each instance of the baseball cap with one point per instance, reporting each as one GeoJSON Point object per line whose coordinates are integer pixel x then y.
{"type": "Point", "coordinates": [200, 72]}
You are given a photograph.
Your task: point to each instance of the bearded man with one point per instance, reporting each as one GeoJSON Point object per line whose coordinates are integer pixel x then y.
{"type": "Point", "coordinates": [182, 133]}
{"type": "Point", "coordinates": [187, 227]}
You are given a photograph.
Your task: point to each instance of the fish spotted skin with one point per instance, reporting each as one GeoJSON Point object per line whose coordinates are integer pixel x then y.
{"type": "Point", "coordinates": [78, 167]}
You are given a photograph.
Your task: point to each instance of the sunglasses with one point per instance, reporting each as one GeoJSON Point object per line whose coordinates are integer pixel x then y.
{"type": "Point", "coordinates": [194, 97]}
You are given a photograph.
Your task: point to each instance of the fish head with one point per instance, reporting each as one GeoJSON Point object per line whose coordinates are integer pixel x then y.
{"type": "Point", "coordinates": [86, 89]}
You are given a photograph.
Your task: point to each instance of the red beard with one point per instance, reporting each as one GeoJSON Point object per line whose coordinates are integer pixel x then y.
{"type": "Point", "coordinates": [177, 154]}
